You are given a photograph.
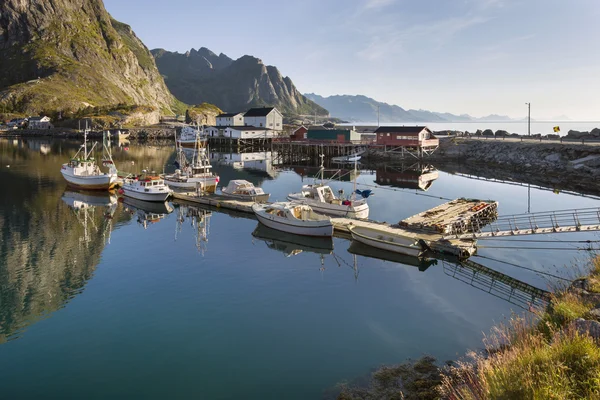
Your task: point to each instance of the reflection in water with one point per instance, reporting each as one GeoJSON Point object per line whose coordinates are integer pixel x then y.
{"type": "Point", "coordinates": [290, 244]}
{"type": "Point", "coordinates": [147, 212]}
{"type": "Point", "coordinates": [261, 162]}
{"type": "Point", "coordinates": [371, 252]}
{"type": "Point", "coordinates": [85, 205]}
{"type": "Point", "coordinates": [497, 284]}
{"type": "Point", "coordinates": [199, 219]}
{"type": "Point", "coordinates": [48, 249]}
{"type": "Point", "coordinates": [415, 176]}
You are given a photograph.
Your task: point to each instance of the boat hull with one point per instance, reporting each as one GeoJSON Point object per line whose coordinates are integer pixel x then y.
{"type": "Point", "coordinates": [161, 196]}
{"type": "Point", "coordinates": [358, 212]}
{"type": "Point", "coordinates": [206, 184]}
{"type": "Point", "coordinates": [190, 144]}
{"type": "Point", "coordinates": [93, 182]}
{"type": "Point", "coordinates": [260, 198]}
{"type": "Point", "coordinates": [387, 241]}
{"type": "Point", "coordinates": [304, 228]}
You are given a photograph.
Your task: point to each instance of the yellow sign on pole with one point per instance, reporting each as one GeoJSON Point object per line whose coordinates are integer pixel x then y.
{"type": "Point", "coordinates": [556, 129]}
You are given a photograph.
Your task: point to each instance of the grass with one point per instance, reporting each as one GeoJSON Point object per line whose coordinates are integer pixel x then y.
{"type": "Point", "coordinates": [534, 357]}
{"type": "Point", "coordinates": [540, 358]}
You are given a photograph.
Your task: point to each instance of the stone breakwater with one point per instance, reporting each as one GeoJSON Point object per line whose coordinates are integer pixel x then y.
{"type": "Point", "coordinates": [562, 166]}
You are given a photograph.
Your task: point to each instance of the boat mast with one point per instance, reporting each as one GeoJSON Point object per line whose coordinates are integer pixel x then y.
{"type": "Point", "coordinates": [322, 170]}
{"type": "Point", "coordinates": [85, 154]}
{"type": "Point", "coordinates": [355, 176]}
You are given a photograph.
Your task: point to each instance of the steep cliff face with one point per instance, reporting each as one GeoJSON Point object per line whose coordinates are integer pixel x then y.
{"type": "Point", "coordinates": [68, 54]}
{"type": "Point", "coordinates": [202, 76]}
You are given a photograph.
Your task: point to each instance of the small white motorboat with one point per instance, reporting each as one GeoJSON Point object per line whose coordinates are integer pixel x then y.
{"type": "Point", "coordinates": [322, 199]}
{"type": "Point", "coordinates": [243, 190]}
{"type": "Point", "coordinates": [191, 137]}
{"type": "Point", "coordinates": [293, 218]}
{"type": "Point", "coordinates": [387, 240]}
{"type": "Point", "coordinates": [145, 187]}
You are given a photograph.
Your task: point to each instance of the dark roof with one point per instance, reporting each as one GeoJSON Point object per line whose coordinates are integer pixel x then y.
{"type": "Point", "coordinates": [400, 129]}
{"type": "Point", "coordinates": [259, 112]}
{"type": "Point", "coordinates": [227, 115]}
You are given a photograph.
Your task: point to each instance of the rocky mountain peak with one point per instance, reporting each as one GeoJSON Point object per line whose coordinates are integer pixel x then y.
{"type": "Point", "coordinates": [232, 85]}
{"type": "Point", "coordinates": [76, 54]}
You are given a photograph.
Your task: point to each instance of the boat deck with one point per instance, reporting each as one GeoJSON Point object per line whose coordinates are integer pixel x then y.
{"type": "Point", "coordinates": [435, 240]}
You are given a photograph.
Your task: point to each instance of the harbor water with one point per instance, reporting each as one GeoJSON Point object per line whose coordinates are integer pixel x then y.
{"type": "Point", "coordinates": [105, 298]}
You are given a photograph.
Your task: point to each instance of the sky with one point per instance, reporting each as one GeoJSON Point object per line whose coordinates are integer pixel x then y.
{"type": "Point", "coordinates": [477, 57]}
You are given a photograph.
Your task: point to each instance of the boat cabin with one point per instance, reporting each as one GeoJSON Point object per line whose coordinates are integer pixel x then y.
{"type": "Point", "coordinates": [320, 193]}
{"type": "Point", "coordinates": [291, 212]}
{"type": "Point", "coordinates": [243, 187]}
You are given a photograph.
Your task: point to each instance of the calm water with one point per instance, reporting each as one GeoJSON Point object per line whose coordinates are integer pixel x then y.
{"type": "Point", "coordinates": [114, 301]}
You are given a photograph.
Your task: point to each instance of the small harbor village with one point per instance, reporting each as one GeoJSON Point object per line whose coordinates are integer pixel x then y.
{"type": "Point", "coordinates": [180, 221]}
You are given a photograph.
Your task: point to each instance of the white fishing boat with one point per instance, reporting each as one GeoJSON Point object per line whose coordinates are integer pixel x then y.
{"type": "Point", "coordinates": [387, 240]}
{"type": "Point", "coordinates": [145, 187]}
{"type": "Point", "coordinates": [194, 175]}
{"type": "Point", "coordinates": [243, 190]}
{"type": "Point", "coordinates": [83, 172]}
{"type": "Point", "coordinates": [190, 137]}
{"type": "Point", "coordinates": [322, 199]}
{"type": "Point", "coordinates": [293, 218]}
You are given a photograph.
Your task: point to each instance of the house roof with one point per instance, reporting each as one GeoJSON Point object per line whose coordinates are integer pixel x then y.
{"type": "Point", "coordinates": [406, 130]}
{"type": "Point", "coordinates": [227, 115]}
{"type": "Point", "coordinates": [36, 118]}
{"type": "Point", "coordinates": [259, 112]}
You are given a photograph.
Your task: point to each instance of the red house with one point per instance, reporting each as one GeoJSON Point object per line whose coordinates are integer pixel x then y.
{"type": "Point", "coordinates": [406, 136]}
{"type": "Point", "coordinates": [299, 134]}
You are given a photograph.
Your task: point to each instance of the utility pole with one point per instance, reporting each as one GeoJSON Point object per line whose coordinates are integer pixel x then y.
{"type": "Point", "coordinates": [377, 114]}
{"type": "Point", "coordinates": [528, 119]}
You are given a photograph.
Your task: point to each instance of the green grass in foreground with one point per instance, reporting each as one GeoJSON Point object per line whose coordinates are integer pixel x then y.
{"type": "Point", "coordinates": [547, 359]}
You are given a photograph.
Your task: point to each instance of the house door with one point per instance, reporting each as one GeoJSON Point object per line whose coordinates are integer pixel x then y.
{"type": "Point", "coordinates": [341, 138]}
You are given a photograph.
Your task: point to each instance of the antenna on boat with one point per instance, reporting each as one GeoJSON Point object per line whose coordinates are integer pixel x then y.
{"type": "Point", "coordinates": [322, 169]}
{"type": "Point", "coordinates": [355, 177]}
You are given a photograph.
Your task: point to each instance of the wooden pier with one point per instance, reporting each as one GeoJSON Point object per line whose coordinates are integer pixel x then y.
{"type": "Point", "coordinates": [462, 248]}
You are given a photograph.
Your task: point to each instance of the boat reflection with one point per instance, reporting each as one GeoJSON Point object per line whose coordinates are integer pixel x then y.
{"type": "Point", "coordinates": [414, 176]}
{"type": "Point", "coordinates": [147, 212]}
{"type": "Point", "coordinates": [290, 244]}
{"type": "Point", "coordinates": [199, 219]}
{"type": "Point", "coordinates": [87, 205]}
{"type": "Point", "coordinates": [422, 263]}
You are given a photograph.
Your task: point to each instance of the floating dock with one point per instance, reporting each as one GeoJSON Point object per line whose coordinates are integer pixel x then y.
{"type": "Point", "coordinates": [462, 248]}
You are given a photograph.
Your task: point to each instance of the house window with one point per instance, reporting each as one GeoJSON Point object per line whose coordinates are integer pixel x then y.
{"type": "Point", "coordinates": [388, 135]}
{"type": "Point", "coordinates": [278, 124]}
{"type": "Point", "coordinates": [399, 137]}
{"type": "Point", "coordinates": [260, 124]}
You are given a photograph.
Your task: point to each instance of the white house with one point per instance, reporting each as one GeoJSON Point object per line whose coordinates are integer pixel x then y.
{"type": "Point", "coordinates": [249, 132]}
{"type": "Point", "coordinates": [231, 119]}
{"type": "Point", "coordinates": [212, 131]}
{"type": "Point", "coordinates": [39, 123]}
{"type": "Point", "coordinates": [264, 117]}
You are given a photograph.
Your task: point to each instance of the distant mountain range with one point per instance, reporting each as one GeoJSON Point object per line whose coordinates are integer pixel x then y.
{"type": "Point", "coordinates": [364, 109]}
{"type": "Point", "coordinates": [233, 85]}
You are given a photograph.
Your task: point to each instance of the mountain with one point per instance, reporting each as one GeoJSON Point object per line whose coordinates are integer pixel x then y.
{"type": "Point", "coordinates": [233, 85]}
{"type": "Point", "coordinates": [360, 108]}
{"type": "Point", "coordinates": [69, 54]}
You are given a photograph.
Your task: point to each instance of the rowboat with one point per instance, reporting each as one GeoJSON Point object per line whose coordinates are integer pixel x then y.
{"type": "Point", "coordinates": [387, 240]}
{"type": "Point", "coordinates": [293, 218]}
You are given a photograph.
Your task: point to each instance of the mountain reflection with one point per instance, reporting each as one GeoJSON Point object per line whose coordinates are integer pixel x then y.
{"type": "Point", "coordinates": [50, 239]}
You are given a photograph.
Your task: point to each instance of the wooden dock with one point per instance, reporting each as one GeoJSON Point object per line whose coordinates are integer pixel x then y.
{"type": "Point", "coordinates": [462, 248]}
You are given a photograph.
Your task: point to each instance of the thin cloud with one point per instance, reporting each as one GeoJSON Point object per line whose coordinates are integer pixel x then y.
{"type": "Point", "coordinates": [377, 4]}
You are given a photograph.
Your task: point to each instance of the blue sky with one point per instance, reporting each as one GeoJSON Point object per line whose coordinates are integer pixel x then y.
{"type": "Point", "coordinates": [461, 56]}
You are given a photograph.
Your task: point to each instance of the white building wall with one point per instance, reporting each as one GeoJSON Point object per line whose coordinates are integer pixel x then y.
{"type": "Point", "coordinates": [249, 134]}
{"type": "Point", "coordinates": [274, 120]}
